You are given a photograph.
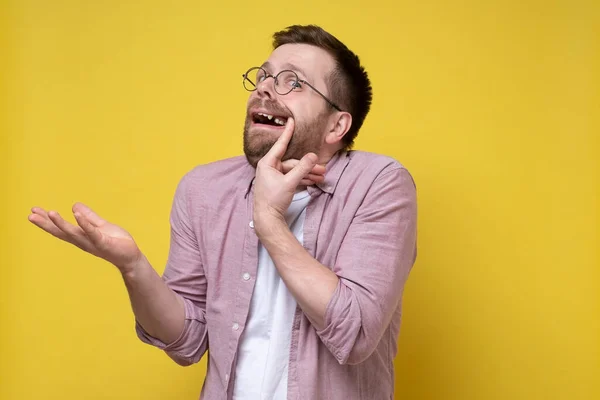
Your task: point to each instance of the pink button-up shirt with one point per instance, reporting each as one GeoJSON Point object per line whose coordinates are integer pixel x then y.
{"type": "Point", "coordinates": [360, 222]}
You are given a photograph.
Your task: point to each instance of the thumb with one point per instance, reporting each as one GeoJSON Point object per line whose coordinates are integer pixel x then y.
{"type": "Point", "coordinates": [302, 169]}
{"type": "Point", "coordinates": [288, 165]}
{"type": "Point", "coordinates": [90, 215]}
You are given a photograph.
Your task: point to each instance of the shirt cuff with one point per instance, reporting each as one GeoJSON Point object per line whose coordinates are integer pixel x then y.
{"type": "Point", "coordinates": [191, 313]}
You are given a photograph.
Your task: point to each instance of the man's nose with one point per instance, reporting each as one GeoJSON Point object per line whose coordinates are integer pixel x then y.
{"type": "Point", "coordinates": [266, 88]}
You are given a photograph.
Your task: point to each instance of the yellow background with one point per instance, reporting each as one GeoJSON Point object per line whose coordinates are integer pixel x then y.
{"type": "Point", "coordinates": [493, 106]}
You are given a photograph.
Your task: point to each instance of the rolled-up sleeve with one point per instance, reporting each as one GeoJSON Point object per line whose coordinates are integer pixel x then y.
{"type": "Point", "coordinates": [373, 265]}
{"type": "Point", "coordinates": [184, 274]}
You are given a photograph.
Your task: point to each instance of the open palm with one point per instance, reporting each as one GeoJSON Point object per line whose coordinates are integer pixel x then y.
{"type": "Point", "coordinates": [91, 234]}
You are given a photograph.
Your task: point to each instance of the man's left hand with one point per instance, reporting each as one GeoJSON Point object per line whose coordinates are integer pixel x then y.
{"type": "Point", "coordinates": [276, 180]}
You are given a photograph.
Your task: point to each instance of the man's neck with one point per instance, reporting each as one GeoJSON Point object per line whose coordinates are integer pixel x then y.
{"type": "Point", "coordinates": [326, 155]}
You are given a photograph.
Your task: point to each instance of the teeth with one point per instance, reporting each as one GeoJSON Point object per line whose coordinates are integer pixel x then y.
{"type": "Point", "coordinates": [266, 116]}
{"type": "Point", "coordinates": [278, 121]}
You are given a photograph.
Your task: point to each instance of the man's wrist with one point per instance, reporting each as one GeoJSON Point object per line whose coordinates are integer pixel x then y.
{"type": "Point", "coordinates": [268, 223]}
{"type": "Point", "coordinates": [131, 270]}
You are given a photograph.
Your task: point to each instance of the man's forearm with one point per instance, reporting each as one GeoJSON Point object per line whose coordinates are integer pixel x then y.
{"type": "Point", "coordinates": [311, 283]}
{"type": "Point", "coordinates": [156, 307]}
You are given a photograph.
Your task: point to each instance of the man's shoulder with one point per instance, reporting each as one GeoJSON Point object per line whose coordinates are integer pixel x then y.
{"type": "Point", "coordinates": [365, 167]}
{"type": "Point", "coordinates": [227, 168]}
{"type": "Point", "coordinates": [220, 175]}
{"type": "Point", "coordinates": [361, 160]}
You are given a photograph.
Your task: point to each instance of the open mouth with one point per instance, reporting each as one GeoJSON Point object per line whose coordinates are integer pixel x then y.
{"type": "Point", "coordinates": [267, 119]}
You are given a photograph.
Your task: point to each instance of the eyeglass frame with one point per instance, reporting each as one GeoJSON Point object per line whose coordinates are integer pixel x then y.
{"type": "Point", "coordinates": [267, 75]}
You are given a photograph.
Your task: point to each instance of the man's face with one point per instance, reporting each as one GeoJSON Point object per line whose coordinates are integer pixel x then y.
{"type": "Point", "coordinates": [309, 110]}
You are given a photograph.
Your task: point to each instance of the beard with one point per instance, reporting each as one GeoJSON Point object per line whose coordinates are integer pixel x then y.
{"type": "Point", "coordinates": [307, 136]}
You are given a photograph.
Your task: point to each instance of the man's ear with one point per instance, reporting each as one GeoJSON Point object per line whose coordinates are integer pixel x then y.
{"type": "Point", "coordinates": [338, 126]}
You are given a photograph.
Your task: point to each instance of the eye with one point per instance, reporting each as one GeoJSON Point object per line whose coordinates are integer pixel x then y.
{"type": "Point", "coordinates": [289, 80]}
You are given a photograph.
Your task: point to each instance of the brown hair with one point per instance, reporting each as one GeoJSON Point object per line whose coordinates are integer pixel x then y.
{"type": "Point", "coordinates": [349, 85]}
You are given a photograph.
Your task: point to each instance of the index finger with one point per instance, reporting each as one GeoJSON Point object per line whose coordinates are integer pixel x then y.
{"type": "Point", "coordinates": [278, 149]}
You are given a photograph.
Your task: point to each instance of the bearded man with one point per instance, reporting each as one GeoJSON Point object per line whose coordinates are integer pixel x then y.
{"type": "Point", "coordinates": [286, 265]}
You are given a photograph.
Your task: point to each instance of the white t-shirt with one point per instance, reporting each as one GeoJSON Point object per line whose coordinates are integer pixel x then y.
{"type": "Point", "coordinates": [262, 366]}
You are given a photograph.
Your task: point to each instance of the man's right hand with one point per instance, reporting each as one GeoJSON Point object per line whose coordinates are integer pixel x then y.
{"type": "Point", "coordinates": [316, 175]}
{"type": "Point", "coordinates": [93, 235]}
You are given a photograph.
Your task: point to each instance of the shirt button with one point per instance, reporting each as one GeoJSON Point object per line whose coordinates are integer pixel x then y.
{"type": "Point", "coordinates": [235, 326]}
{"type": "Point", "coordinates": [226, 377]}
{"type": "Point", "coordinates": [251, 224]}
{"type": "Point", "coordinates": [246, 276]}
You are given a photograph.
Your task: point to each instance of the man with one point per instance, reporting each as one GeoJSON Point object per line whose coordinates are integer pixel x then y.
{"type": "Point", "coordinates": [289, 264]}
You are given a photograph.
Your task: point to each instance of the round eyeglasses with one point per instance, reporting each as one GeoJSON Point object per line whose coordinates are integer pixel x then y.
{"type": "Point", "coordinates": [284, 82]}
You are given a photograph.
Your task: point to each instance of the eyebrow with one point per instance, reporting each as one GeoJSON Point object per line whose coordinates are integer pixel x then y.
{"type": "Point", "coordinates": [293, 67]}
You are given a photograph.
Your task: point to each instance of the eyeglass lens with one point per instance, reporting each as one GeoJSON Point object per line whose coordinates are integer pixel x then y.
{"type": "Point", "coordinates": [285, 81]}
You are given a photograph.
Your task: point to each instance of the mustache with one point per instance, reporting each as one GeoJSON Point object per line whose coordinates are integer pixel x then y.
{"type": "Point", "coordinates": [271, 106]}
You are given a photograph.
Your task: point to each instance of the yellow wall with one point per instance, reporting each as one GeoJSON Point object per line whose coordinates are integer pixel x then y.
{"type": "Point", "coordinates": [493, 106]}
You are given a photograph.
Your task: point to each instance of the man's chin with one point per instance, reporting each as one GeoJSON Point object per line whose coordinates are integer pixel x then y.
{"type": "Point", "coordinates": [255, 153]}
{"type": "Point", "coordinates": [252, 160]}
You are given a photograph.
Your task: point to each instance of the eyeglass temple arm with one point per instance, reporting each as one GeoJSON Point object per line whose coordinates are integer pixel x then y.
{"type": "Point", "coordinates": [323, 96]}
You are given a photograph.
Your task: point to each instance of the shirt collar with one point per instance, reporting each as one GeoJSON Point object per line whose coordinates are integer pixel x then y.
{"type": "Point", "coordinates": [333, 171]}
